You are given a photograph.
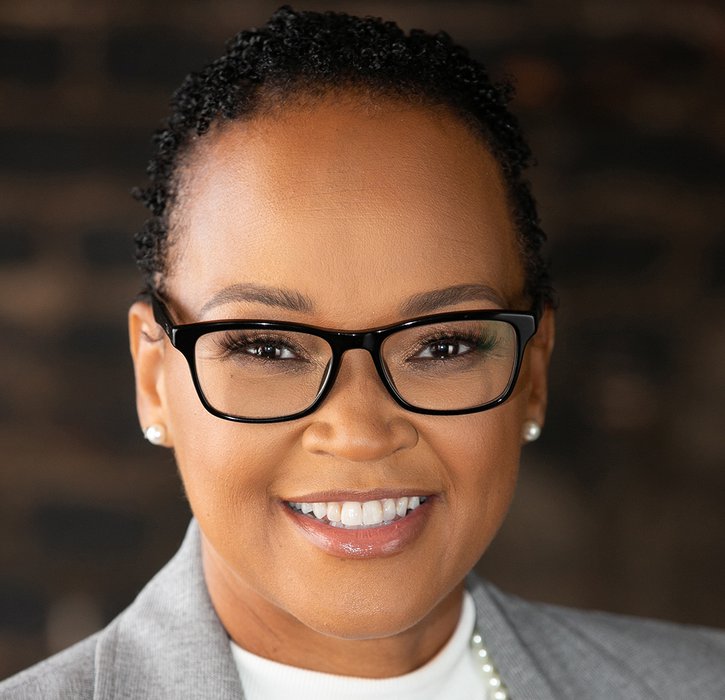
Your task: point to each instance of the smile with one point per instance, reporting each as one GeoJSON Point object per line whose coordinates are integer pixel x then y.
{"type": "Point", "coordinates": [360, 515]}
{"type": "Point", "coordinates": [364, 529]}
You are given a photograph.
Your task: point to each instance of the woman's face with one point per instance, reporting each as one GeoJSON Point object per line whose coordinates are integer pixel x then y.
{"type": "Point", "coordinates": [359, 210]}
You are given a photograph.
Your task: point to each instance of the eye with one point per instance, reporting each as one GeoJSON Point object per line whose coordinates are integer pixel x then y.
{"type": "Point", "coordinates": [444, 348]}
{"type": "Point", "coordinates": [271, 349]}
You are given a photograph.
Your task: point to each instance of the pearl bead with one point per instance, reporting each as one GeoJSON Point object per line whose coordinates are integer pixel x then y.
{"type": "Point", "coordinates": [488, 671]}
{"type": "Point", "coordinates": [155, 434]}
{"type": "Point", "coordinates": [531, 431]}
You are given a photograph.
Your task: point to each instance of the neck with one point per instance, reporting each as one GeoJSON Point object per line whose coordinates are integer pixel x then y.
{"type": "Point", "coordinates": [263, 628]}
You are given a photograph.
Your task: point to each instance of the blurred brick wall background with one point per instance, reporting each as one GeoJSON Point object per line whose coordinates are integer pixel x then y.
{"type": "Point", "coordinates": [620, 505]}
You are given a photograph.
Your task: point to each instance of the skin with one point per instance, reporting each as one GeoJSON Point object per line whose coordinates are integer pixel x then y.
{"type": "Point", "coordinates": [358, 206]}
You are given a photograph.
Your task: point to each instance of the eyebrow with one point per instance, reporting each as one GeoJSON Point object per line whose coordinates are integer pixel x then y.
{"type": "Point", "coordinates": [425, 302]}
{"type": "Point", "coordinates": [261, 294]}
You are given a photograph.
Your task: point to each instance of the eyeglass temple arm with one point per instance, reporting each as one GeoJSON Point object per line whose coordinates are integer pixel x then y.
{"type": "Point", "coordinates": [161, 316]}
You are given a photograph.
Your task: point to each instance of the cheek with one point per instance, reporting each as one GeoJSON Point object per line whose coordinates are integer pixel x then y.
{"type": "Point", "coordinates": [226, 467]}
{"type": "Point", "coordinates": [481, 453]}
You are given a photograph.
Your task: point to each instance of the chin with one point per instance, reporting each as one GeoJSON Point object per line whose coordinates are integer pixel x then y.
{"type": "Point", "coordinates": [357, 626]}
{"type": "Point", "coordinates": [378, 613]}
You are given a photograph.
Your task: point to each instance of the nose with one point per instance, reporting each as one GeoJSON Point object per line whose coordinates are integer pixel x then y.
{"type": "Point", "coordinates": [359, 421]}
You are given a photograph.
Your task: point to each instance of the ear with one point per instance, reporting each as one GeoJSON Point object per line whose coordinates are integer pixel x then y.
{"type": "Point", "coordinates": [539, 355]}
{"type": "Point", "coordinates": [148, 345]}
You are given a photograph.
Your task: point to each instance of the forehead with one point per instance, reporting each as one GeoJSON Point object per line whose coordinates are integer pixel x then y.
{"type": "Point", "coordinates": [353, 203]}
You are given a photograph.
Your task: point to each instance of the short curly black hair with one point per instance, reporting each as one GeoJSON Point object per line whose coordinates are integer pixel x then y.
{"type": "Point", "coordinates": [310, 53]}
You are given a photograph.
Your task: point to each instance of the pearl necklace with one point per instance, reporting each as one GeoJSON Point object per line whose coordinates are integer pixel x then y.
{"type": "Point", "coordinates": [488, 671]}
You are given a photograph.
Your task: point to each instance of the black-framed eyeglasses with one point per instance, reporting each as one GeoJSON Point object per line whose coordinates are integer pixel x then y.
{"type": "Point", "coordinates": [272, 371]}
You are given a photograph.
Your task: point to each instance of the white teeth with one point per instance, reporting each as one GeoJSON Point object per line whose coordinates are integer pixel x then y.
{"type": "Point", "coordinates": [372, 513]}
{"type": "Point", "coordinates": [334, 512]}
{"type": "Point", "coordinates": [356, 514]}
{"type": "Point", "coordinates": [351, 513]}
{"type": "Point", "coordinates": [401, 506]}
{"type": "Point", "coordinates": [389, 511]}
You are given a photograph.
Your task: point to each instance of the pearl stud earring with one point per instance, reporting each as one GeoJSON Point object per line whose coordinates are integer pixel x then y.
{"type": "Point", "coordinates": [531, 431]}
{"type": "Point", "coordinates": [155, 434]}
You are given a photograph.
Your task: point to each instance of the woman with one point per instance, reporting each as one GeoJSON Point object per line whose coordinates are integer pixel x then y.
{"type": "Point", "coordinates": [344, 338]}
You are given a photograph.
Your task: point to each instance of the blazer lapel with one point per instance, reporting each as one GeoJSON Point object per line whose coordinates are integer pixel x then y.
{"type": "Point", "coordinates": [518, 669]}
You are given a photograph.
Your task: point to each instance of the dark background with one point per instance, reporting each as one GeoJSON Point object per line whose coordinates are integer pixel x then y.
{"type": "Point", "coordinates": [621, 501]}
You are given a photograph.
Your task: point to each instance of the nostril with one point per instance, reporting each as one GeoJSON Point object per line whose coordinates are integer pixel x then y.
{"type": "Point", "coordinates": [358, 431]}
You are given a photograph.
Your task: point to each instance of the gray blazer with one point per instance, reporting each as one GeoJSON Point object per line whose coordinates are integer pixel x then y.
{"type": "Point", "coordinates": [169, 644]}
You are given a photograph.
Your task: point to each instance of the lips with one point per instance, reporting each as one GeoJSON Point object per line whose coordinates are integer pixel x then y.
{"type": "Point", "coordinates": [358, 529]}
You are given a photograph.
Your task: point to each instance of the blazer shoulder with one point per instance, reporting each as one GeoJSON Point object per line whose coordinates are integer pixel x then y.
{"type": "Point", "coordinates": [68, 674]}
{"type": "Point", "coordinates": [622, 634]}
{"type": "Point", "coordinates": [662, 655]}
